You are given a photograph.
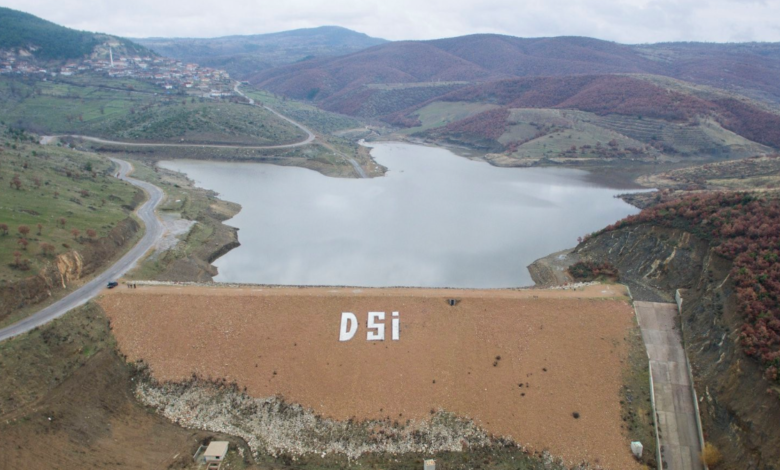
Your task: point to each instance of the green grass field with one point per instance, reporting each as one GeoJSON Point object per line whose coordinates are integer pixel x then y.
{"type": "Point", "coordinates": [134, 110]}
{"type": "Point", "coordinates": [318, 120]}
{"type": "Point", "coordinates": [54, 183]}
{"type": "Point", "coordinates": [441, 113]}
{"type": "Point", "coordinates": [203, 121]}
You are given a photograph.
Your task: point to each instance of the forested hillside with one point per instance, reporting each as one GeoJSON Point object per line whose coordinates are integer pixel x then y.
{"type": "Point", "coordinates": [49, 41]}
{"type": "Point", "coordinates": [45, 39]}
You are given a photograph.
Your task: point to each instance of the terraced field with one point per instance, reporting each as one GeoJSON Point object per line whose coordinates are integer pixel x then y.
{"type": "Point", "coordinates": [539, 133]}
{"type": "Point", "coordinates": [703, 137]}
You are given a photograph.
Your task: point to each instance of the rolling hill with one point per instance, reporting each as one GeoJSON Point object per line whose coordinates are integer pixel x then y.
{"type": "Point", "coordinates": [609, 116]}
{"type": "Point", "coordinates": [651, 101]}
{"type": "Point", "coordinates": [750, 69]}
{"type": "Point", "coordinates": [129, 109]}
{"type": "Point", "coordinates": [245, 55]}
{"type": "Point", "coordinates": [45, 40]}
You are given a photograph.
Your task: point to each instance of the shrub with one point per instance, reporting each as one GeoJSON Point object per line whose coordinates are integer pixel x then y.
{"type": "Point", "coordinates": [590, 270]}
{"type": "Point", "coordinates": [47, 249]}
{"type": "Point", "coordinates": [746, 230]}
{"type": "Point", "coordinates": [710, 455]}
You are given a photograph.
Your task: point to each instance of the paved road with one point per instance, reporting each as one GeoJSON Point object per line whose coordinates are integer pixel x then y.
{"type": "Point", "coordinates": [154, 231]}
{"type": "Point", "coordinates": [98, 140]}
{"type": "Point", "coordinates": [679, 436]}
{"type": "Point", "coordinates": [358, 169]}
{"type": "Point", "coordinates": [309, 136]}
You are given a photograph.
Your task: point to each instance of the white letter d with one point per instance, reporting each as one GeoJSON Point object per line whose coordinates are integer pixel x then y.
{"type": "Point", "coordinates": [349, 326]}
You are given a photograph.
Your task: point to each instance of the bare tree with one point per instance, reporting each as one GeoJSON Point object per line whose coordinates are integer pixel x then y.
{"type": "Point", "coordinates": [16, 182]}
{"type": "Point", "coordinates": [24, 230]}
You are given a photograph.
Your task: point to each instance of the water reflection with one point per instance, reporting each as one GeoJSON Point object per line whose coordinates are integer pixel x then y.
{"type": "Point", "coordinates": [435, 220]}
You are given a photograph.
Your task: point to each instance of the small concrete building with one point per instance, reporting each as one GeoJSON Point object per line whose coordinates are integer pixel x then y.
{"type": "Point", "coordinates": [215, 453]}
{"type": "Point", "coordinates": [429, 464]}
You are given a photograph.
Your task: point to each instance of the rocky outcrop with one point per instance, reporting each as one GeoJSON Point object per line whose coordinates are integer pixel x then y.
{"type": "Point", "coordinates": [552, 270]}
{"type": "Point", "coordinates": [739, 415]}
{"type": "Point", "coordinates": [66, 268]}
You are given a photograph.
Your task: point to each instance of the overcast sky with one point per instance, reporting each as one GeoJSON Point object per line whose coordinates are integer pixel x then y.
{"type": "Point", "coordinates": [626, 21]}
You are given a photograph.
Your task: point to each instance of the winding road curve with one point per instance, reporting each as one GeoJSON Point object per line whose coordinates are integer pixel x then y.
{"type": "Point", "coordinates": [358, 169]}
{"type": "Point", "coordinates": [310, 137]}
{"type": "Point", "coordinates": [146, 212]}
{"type": "Point", "coordinates": [154, 231]}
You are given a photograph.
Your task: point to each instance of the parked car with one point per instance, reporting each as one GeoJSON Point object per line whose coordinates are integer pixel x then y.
{"type": "Point", "coordinates": [112, 284]}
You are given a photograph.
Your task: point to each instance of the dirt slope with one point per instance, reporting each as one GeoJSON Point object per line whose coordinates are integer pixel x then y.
{"type": "Point", "coordinates": [519, 363]}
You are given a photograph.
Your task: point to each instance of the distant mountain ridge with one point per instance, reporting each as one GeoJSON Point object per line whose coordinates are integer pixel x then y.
{"type": "Point", "coordinates": [45, 40]}
{"type": "Point", "coordinates": [247, 54]}
{"type": "Point", "coordinates": [750, 68]}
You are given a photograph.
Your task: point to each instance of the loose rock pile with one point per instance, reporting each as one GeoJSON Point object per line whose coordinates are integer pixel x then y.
{"type": "Point", "coordinates": [271, 426]}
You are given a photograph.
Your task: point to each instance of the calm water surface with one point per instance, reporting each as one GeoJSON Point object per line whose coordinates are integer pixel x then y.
{"type": "Point", "coordinates": [435, 220]}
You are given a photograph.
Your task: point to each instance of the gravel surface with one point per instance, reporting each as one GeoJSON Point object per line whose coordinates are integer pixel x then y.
{"type": "Point", "coordinates": [174, 228]}
{"type": "Point", "coordinates": [518, 363]}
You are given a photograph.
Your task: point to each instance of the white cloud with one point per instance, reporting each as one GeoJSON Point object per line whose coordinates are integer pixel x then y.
{"type": "Point", "coordinates": [627, 21]}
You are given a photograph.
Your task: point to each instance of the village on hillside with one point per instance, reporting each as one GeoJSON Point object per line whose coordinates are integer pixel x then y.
{"type": "Point", "coordinates": [168, 74]}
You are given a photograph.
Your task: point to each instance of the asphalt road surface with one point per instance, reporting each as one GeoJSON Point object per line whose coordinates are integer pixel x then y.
{"type": "Point", "coordinates": [154, 231]}
{"type": "Point", "coordinates": [309, 136]}
{"type": "Point", "coordinates": [673, 391]}
{"type": "Point", "coordinates": [358, 169]}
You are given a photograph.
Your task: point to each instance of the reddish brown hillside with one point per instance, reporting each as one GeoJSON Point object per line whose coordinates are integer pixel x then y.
{"type": "Point", "coordinates": [545, 56]}
{"type": "Point", "coordinates": [748, 121]}
{"type": "Point", "coordinates": [565, 73]}
{"type": "Point", "coordinates": [482, 130]}
{"type": "Point", "coordinates": [746, 230]}
{"type": "Point", "coordinates": [606, 94]}
{"type": "Point", "coordinates": [614, 94]}
{"type": "Point", "coordinates": [750, 69]}
{"type": "Point", "coordinates": [404, 62]}
{"type": "Point", "coordinates": [747, 68]}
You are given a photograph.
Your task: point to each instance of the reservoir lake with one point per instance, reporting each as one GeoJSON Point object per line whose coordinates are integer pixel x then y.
{"type": "Point", "coordinates": [434, 220]}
